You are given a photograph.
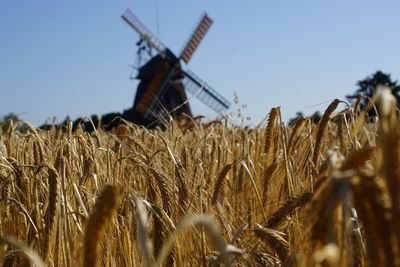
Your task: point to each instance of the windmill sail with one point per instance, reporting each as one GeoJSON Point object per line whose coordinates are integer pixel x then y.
{"type": "Point", "coordinates": [144, 33]}
{"type": "Point", "coordinates": [171, 101]}
{"type": "Point", "coordinates": [204, 92]}
{"type": "Point", "coordinates": [153, 90]}
{"type": "Point", "coordinates": [195, 39]}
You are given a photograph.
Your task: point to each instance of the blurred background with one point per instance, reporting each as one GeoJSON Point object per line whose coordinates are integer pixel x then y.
{"type": "Point", "coordinates": [73, 58]}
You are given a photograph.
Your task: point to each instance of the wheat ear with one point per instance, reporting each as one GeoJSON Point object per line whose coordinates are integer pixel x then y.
{"type": "Point", "coordinates": [288, 208]}
{"type": "Point", "coordinates": [275, 240]}
{"type": "Point", "coordinates": [52, 211]}
{"type": "Point", "coordinates": [270, 134]}
{"type": "Point", "coordinates": [321, 128]}
{"type": "Point", "coordinates": [219, 182]}
{"type": "Point", "coordinates": [105, 207]}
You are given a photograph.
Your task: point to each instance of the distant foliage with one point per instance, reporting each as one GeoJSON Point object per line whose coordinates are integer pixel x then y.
{"type": "Point", "coordinates": [367, 88]}
{"type": "Point", "coordinates": [315, 117]}
{"type": "Point", "coordinates": [9, 121]}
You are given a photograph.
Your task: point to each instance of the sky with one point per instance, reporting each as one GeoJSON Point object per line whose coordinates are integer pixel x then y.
{"type": "Point", "coordinates": [72, 58]}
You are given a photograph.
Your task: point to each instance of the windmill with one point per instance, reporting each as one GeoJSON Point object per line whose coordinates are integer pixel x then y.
{"type": "Point", "coordinates": [163, 82]}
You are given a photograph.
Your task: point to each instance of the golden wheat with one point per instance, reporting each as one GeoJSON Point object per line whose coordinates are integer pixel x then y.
{"type": "Point", "coordinates": [323, 194]}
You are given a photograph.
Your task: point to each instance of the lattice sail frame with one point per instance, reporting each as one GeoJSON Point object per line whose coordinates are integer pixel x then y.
{"type": "Point", "coordinates": [196, 37]}
{"type": "Point", "coordinates": [145, 34]}
{"type": "Point", "coordinates": [204, 92]}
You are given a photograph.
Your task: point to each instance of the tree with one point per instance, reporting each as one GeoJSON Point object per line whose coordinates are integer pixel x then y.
{"type": "Point", "coordinates": [315, 117]}
{"type": "Point", "coordinates": [11, 119]}
{"type": "Point", "coordinates": [367, 88]}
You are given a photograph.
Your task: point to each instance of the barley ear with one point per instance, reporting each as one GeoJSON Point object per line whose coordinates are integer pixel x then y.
{"type": "Point", "coordinates": [321, 128]}
{"type": "Point", "coordinates": [52, 212]}
{"type": "Point", "coordinates": [270, 134]}
{"type": "Point", "coordinates": [105, 207]}
{"type": "Point", "coordinates": [219, 182]}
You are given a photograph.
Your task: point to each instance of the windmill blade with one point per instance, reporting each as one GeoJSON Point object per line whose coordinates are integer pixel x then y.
{"type": "Point", "coordinates": [154, 90]}
{"type": "Point", "coordinates": [196, 37]}
{"type": "Point", "coordinates": [205, 93]}
{"type": "Point", "coordinates": [144, 33]}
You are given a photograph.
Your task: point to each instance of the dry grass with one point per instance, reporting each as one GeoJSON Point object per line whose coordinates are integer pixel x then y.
{"type": "Point", "coordinates": [322, 194]}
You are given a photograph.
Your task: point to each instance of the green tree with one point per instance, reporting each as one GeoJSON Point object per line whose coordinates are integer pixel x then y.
{"type": "Point", "coordinates": [9, 120]}
{"type": "Point", "coordinates": [367, 88]}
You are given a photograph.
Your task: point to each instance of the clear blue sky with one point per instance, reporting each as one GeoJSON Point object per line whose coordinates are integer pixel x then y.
{"type": "Point", "coordinates": [60, 58]}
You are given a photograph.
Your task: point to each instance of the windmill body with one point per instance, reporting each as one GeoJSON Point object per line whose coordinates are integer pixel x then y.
{"type": "Point", "coordinates": [172, 100]}
{"type": "Point", "coordinates": [163, 82]}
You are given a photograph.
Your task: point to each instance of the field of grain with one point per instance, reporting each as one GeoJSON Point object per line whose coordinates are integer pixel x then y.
{"type": "Point", "coordinates": [213, 194]}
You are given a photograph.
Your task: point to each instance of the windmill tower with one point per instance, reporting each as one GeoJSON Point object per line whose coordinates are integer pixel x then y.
{"type": "Point", "coordinates": [163, 82]}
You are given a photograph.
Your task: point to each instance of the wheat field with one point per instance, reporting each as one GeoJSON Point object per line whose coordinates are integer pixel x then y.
{"type": "Point", "coordinates": [324, 194]}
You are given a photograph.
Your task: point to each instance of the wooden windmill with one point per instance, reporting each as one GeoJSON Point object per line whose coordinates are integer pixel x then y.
{"type": "Point", "coordinates": [163, 83]}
